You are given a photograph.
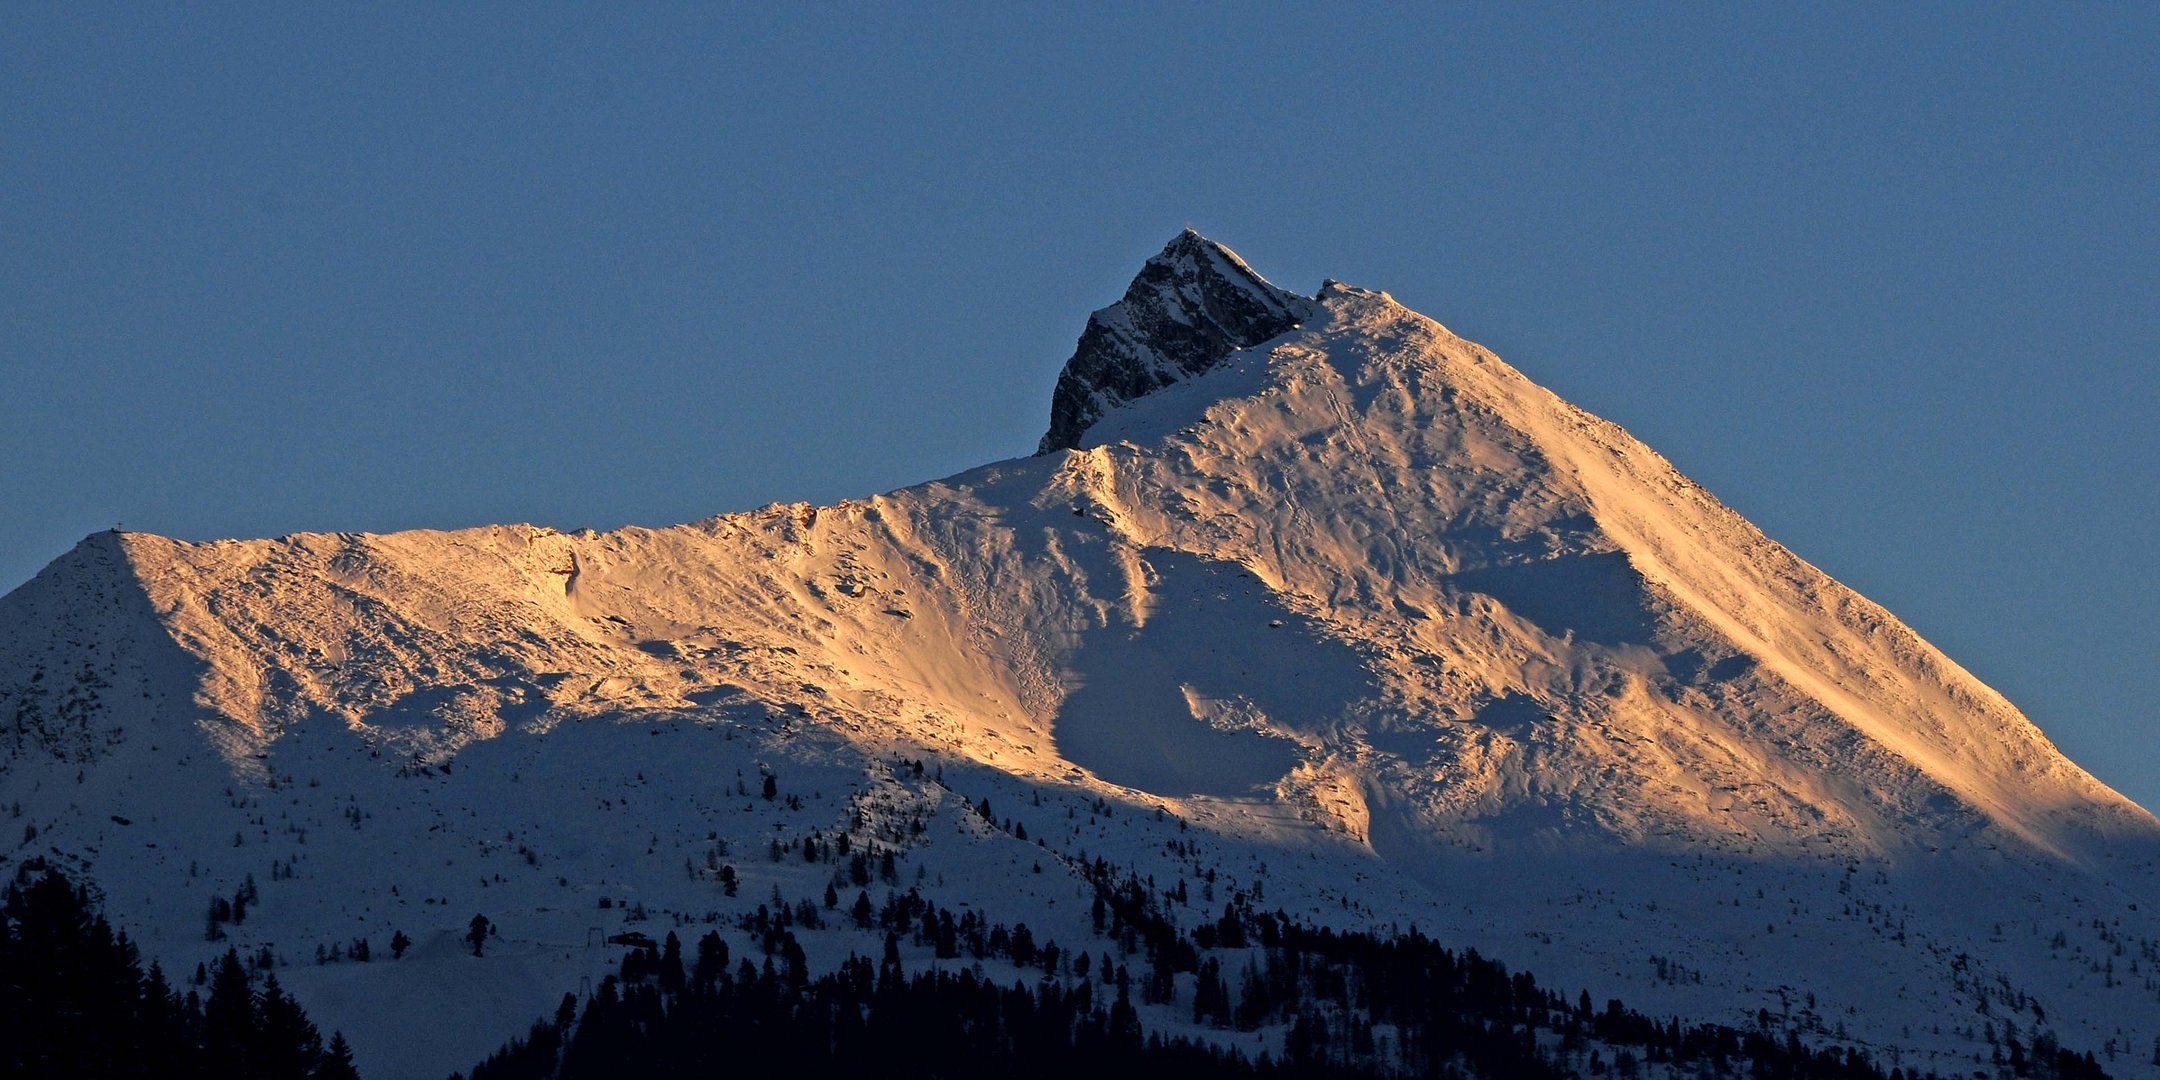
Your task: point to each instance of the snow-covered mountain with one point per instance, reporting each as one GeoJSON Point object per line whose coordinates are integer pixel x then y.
{"type": "Point", "coordinates": [1304, 597]}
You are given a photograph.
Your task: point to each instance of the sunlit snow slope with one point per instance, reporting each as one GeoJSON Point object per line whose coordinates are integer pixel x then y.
{"type": "Point", "coordinates": [1344, 593]}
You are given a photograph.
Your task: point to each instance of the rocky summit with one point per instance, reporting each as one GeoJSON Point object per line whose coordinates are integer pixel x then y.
{"type": "Point", "coordinates": [1190, 306]}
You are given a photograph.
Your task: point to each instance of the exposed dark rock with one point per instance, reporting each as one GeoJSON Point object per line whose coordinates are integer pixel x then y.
{"type": "Point", "coordinates": [1191, 306]}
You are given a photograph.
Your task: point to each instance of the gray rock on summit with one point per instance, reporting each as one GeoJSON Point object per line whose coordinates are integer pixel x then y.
{"type": "Point", "coordinates": [1191, 306]}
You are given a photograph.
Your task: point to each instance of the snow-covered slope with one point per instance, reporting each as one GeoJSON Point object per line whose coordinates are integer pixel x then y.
{"type": "Point", "coordinates": [1308, 592]}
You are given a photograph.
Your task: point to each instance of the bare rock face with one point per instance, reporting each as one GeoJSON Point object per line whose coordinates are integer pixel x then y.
{"type": "Point", "coordinates": [1189, 307]}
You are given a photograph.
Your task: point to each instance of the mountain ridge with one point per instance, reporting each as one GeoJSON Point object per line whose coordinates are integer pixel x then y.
{"type": "Point", "coordinates": [1643, 538]}
{"type": "Point", "coordinates": [1355, 600]}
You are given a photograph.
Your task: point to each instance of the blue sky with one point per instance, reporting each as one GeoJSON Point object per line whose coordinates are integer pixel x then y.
{"type": "Point", "coordinates": [1886, 281]}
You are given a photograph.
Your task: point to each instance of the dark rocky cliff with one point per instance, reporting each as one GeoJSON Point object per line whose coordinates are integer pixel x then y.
{"type": "Point", "coordinates": [1192, 305]}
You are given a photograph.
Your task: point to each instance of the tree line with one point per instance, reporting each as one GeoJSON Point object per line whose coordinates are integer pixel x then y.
{"type": "Point", "coordinates": [75, 1001]}
{"type": "Point", "coordinates": [1347, 1004]}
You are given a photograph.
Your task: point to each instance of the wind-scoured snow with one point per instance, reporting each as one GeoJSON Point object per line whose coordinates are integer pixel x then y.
{"type": "Point", "coordinates": [1333, 596]}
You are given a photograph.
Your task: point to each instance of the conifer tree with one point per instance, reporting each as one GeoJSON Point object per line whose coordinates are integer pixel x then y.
{"type": "Point", "coordinates": [229, 1031]}
{"type": "Point", "coordinates": [337, 1060]}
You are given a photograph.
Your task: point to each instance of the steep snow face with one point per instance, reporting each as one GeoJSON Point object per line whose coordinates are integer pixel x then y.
{"type": "Point", "coordinates": [1563, 610]}
{"type": "Point", "coordinates": [1392, 629]}
{"type": "Point", "coordinates": [1189, 307]}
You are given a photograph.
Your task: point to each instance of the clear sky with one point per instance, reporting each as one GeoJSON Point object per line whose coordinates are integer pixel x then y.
{"type": "Point", "coordinates": [1888, 282]}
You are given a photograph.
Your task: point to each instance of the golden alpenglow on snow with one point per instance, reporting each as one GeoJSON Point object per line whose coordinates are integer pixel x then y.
{"type": "Point", "coordinates": [1306, 606]}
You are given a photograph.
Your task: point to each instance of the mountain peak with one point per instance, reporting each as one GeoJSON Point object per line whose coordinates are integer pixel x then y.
{"type": "Point", "coordinates": [1192, 304]}
{"type": "Point", "coordinates": [1190, 244]}
{"type": "Point", "coordinates": [1359, 613]}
